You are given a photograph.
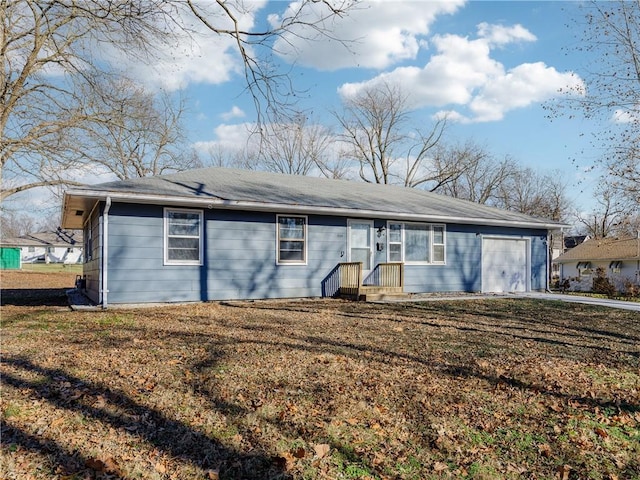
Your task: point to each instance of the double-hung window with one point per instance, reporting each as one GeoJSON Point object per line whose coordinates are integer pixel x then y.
{"type": "Point", "coordinates": [292, 239]}
{"type": "Point", "coordinates": [183, 237]}
{"type": "Point", "coordinates": [416, 243]}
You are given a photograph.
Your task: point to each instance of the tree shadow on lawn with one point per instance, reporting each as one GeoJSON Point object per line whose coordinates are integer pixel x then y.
{"type": "Point", "coordinates": [115, 409]}
{"type": "Point", "coordinates": [454, 366]}
{"type": "Point", "coordinates": [321, 393]}
{"type": "Point", "coordinates": [68, 463]}
{"type": "Point", "coordinates": [180, 440]}
{"type": "Point", "coordinates": [542, 316]}
{"type": "Point", "coordinates": [536, 316]}
{"type": "Point", "coordinates": [576, 332]}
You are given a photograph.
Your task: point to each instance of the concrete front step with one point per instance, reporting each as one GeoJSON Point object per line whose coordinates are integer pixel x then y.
{"type": "Point", "coordinates": [371, 289]}
{"type": "Point", "coordinates": [379, 297]}
{"type": "Point", "coordinates": [374, 293]}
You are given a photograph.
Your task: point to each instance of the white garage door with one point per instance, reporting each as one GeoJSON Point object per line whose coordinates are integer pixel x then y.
{"type": "Point", "coordinates": [505, 266]}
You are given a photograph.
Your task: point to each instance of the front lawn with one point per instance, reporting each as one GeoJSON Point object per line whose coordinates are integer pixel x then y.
{"type": "Point", "coordinates": [486, 389]}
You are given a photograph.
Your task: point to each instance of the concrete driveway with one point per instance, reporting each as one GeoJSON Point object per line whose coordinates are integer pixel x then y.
{"type": "Point", "coordinates": [602, 302]}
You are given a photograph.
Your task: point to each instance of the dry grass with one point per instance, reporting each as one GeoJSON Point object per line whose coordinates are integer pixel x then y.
{"type": "Point", "coordinates": [487, 389]}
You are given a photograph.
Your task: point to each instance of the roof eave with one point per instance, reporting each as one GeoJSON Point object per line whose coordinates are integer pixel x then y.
{"type": "Point", "coordinates": [128, 197]}
{"type": "Point", "coordinates": [592, 259]}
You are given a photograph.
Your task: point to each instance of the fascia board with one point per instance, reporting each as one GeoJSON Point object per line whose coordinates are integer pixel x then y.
{"type": "Point", "coordinates": [283, 208]}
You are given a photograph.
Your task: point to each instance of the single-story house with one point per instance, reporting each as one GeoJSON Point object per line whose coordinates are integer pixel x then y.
{"type": "Point", "coordinates": [619, 258]}
{"type": "Point", "coordinates": [218, 233]}
{"type": "Point", "coordinates": [48, 247]}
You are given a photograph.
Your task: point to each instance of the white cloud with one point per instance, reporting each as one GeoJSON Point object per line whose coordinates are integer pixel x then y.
{"type": "Point", "coordinates": [374, 34]}
{"type": "Point", "coordinates": [626, 116]}
{"type": "Point", "coordinates": [228, 137]}
{"type": "Point", "coordinates": [501, 35]}
{"type": "Point", "coordinates": [463, 73]}
{"type": "Point", "coordinates": [200, 57]}
{"type": "Point", "coordinates": [235, 112]}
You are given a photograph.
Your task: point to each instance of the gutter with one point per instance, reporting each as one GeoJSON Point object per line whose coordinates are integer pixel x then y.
{"type": "Point", "coordinates": [548, 264]}
{"type": "Point", "coordinates": [105, 251]}
{"type": "Point", "coordinates": [303, 209]}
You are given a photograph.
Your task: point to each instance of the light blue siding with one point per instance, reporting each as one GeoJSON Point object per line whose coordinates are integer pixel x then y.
{"type": "Point", "coordinates": [461, 271]}
{"type": "Point", "coordinates": [93, 259]}
{"type": "Point", "coordinates": [239, 259]}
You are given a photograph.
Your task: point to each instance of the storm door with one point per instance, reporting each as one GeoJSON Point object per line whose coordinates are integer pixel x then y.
{"type": "Point", "coordinates": [361, 244]}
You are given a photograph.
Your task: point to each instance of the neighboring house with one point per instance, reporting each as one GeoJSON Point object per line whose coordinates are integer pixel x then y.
{"type": "Point", "coordinates": [562, 243]}
{"type": "Point", "coordinates": [620, 259]}
{"type": "Point", "coordinates": [48, 247]}
{"type": "Point", "coordinates": [217, 233]}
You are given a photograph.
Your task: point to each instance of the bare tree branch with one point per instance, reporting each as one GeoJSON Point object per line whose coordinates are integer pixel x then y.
{"type": "Point", "coordinates": [375, 128]}
{"type": "Point", "coordinates": [49, 92]}
{"type": "Point", "coordinates": [611, 41]}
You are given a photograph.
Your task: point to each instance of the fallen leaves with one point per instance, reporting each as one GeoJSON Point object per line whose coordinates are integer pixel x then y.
{"type": "Point", "coordinates": [601, 432]}
{"type": "Point", "coordinates": [562, 472]}
{"type": "Point", "coordinates": [545, 449]}
{"type": "Point", "coordinates": [323, 389]}
{"type": "Point", "coordinates": [439, 467]}
{"type": "Point", "coordinates": [321, 450]}
{"type": "Point", "coordinates": [108, 465]}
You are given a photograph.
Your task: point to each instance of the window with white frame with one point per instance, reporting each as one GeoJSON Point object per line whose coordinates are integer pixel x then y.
{"type": "Point", "coordinates": [416, 243]}
{"type": "Point", "coordinates": [292, 239]}
{"type": "Point", "coordinates": [183, 237]}
{"type": "Point", "coordinates": [438, 243]}
{"type": "Point", "coordinates": [394, 239]}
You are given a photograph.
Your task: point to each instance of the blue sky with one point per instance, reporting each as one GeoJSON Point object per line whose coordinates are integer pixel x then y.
{"type": "Point", "coordinates": [506, 39]}
{"type": "Point", "coordinates": [490, 65]}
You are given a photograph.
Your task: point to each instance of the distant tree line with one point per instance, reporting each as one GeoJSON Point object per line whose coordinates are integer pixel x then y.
{"type": "Point", "coordinates": [64, 113]}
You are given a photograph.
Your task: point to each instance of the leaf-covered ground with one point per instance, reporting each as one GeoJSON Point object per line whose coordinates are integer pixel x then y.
{"type": "Point", "coordinates": [486, 389]}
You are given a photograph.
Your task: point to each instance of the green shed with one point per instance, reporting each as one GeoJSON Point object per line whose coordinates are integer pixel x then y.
{"type": "Point", "coordinates": [10, 258]}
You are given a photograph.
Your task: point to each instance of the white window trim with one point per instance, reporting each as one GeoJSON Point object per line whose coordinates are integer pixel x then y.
{"type": "Point", "coordinates": [305, 240]}
{"type": "Point", "coordinates": [166, 236]}
{"type": "Point", "coordinates": [389, 242]}
{"type": "Point", "coordinates": [444, 244]}
{"type": "Point", "coordinates": [402, 242]}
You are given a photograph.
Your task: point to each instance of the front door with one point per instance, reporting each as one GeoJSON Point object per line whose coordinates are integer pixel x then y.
{"type": "Point", "coordinates": [361, 244]}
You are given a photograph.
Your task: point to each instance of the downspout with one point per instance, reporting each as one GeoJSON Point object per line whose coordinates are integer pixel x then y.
{"type": "Point", "coordinates": [638, 260]}
{"type": "Point", "coordinates": [105, 251]}
{"type": "Point", "coordinates": [548, 263]}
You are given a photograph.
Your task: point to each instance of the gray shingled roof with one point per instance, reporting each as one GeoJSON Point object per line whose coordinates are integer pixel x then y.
{"type": "Point", "coordinates": [232, 188]}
